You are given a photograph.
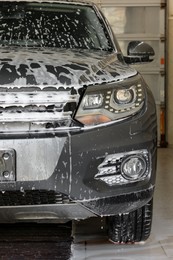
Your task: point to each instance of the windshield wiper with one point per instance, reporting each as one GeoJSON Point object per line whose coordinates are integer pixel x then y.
{"type": "Point", "coordinates": [21, 43]}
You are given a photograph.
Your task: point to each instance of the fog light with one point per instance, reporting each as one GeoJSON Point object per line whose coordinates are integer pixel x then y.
{"type": "Point", "coordinates": [133, 167]}
{"type": "Point", "coordinates": [6, 175]}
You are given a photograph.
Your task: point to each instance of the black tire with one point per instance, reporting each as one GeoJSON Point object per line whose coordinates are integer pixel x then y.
{"type": "Point", "coordinates": [131, 227]}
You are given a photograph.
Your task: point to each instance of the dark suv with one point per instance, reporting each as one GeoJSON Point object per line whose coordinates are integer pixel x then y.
{"type": "Point", "coordinates": [77, 124]}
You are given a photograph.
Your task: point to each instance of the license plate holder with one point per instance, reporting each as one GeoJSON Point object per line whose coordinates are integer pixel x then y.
{"type": "Point", "coordinates": [7, 165]}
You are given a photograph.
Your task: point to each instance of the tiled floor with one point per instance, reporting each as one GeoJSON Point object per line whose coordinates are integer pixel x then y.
{"type": "Point", "coordinates": [160, 244]}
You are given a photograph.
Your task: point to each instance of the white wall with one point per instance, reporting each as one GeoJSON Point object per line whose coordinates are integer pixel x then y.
{"type": "Point", "coordinates": [170, 75]}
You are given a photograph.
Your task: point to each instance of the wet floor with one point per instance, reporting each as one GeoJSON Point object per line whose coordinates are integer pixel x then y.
{"type": "Point", "coordinates": [52, 241]}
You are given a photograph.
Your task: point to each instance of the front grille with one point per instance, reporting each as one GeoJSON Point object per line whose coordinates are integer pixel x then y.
{"type": "Point", "coordinates": [33, 108]}
{"type": "Point", "coordinates": [35, 197]}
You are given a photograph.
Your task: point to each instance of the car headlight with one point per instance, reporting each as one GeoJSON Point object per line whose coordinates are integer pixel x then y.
{"type": "Point", "coordinates": [110, 102]}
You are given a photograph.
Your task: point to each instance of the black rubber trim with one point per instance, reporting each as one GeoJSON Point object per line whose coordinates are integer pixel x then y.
{"type": "Point", "coordinates": [120, 204]}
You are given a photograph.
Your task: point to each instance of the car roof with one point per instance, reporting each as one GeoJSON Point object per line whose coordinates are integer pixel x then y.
{"type": "Point", "coordinates": [82, 2]}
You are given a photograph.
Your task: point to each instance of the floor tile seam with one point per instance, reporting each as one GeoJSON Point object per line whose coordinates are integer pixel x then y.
{"type": "Point", "coordinates": [163, 249]}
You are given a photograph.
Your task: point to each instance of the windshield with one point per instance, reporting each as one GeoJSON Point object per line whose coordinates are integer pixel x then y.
{"type": "Point", "coordinates": [51, 25]}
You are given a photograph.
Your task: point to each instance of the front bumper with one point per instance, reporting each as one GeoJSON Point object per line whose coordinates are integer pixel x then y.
{"type": "Point", "coordinates": [61, 213]}
{"type": "Point", "coordinates": [67, 163]}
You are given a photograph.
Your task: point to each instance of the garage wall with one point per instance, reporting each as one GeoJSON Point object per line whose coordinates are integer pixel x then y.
{"type": "Point", "coordinates": [170, 75]}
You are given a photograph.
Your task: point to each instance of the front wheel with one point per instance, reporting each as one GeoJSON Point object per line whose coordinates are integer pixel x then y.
{"type": "Point", "coordinates": [131, 227]}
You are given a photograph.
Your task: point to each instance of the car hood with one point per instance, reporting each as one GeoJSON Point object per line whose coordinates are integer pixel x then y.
{"type": "Point", "coordinates": [42, 67]}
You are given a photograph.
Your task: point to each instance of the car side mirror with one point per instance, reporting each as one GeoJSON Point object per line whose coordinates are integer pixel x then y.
{"type": "Point", "coordinates": [139, 52]}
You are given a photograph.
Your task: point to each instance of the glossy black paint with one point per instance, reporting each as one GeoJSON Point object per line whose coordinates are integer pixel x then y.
{"type": "Point", "coordinates": [72, 71]}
